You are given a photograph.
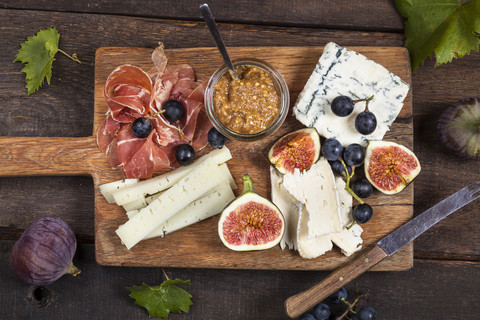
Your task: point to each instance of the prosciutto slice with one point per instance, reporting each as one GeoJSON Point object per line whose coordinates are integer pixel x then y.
{"type": "Point", "coordinates": [132, 93]}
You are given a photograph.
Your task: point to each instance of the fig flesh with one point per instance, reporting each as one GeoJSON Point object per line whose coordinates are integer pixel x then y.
{"type": "Point", "coordinates": [298, 149]}
{"type": "Point", "coordinates": [389, 166]}
{"type": "Point", "coordinates": [44, 252]}
{"type": "Point", "coordinates": [459, 128]}
{"type": "Point", "coordinates": [250, 222]}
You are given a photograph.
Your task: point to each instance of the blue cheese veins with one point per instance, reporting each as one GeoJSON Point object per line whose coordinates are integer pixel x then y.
{"type": "Point", "coordinates": [341, 71]}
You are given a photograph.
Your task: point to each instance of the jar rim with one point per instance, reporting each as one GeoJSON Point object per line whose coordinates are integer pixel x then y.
{"type": "Point", "coordinates": [280, 84]}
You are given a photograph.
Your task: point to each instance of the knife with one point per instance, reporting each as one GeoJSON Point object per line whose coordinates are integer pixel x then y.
{"type": "Point", "coordinates": [303, 301]}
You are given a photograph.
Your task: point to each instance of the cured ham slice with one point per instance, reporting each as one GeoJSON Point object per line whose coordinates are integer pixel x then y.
{"type": "Point", "coordinates": [131, 93]}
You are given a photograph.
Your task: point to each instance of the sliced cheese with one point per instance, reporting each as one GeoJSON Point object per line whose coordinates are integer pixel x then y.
{"type": "Point", "coordinates": [108, 188]}
{"type": "Point", "coordinates": [135, 205]}
{"type": "Point", "coordinates": [198, 182]}
{"type": "Point", "coordinates": [281, 198]}
{"type": "Point", "coordinates": [316, 189]}
{"type": "Point", "coordinates": [205, 207]}
{"type": "Point", "coordinates": [166, 180]}
{"type": "Point", "coordinates": [310, 247]}
{"type": "Point", "coordinates": [348, 240]}
{"type": "Point", "coordinates": [228, 174]}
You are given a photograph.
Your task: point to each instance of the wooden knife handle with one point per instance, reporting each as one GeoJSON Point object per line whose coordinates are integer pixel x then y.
{"type": "Point", "coordinates": [303, 301]}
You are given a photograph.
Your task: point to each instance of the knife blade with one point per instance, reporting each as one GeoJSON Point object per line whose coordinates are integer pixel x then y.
{"type": "Point", "coordinates": [303, 301]}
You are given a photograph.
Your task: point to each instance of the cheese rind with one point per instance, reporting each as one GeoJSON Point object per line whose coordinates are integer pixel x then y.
{"type": "Point", "coordinates": [198, 182]}
{"type": "Point", "coordinates": [341, 71]}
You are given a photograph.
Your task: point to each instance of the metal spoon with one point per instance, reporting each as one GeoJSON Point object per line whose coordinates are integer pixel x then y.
{"type": "Point", "coordinates": [212, 26]}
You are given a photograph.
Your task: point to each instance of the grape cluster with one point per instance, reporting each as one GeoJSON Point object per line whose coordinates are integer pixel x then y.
{"type": "Point", "coordinates": [333, 308]}
{"type": "Point", "coordinates": [343, 162]}
{"type": "Point", "coordinates": [365, 122]}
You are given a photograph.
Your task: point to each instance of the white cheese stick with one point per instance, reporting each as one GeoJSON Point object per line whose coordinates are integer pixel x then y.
{"type": "Point", "coordinates": [108, 188]}
{"type": "Point", "coordinates": [228, 174]}
{"type": "Point", "coordinates": [135, 205]}
{"type": "Point", "coordinates": [166, 180]}
{"type": "Point", "coordinates": [198, 182]}
{"type": "Point", "coordinates": [205, 207]}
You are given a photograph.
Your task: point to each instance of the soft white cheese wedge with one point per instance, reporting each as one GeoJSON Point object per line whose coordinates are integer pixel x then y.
{"type": "Point", "coordinates": [341, 71]}
{"type": "Point", "coordinates": [108, 188]}
{"type": "Point", "coordinates": [281, 198]}
{"type": "Point", "coordinates": [316, 189]}
{"type": "Point", "coordinates": [198, 182]}
{"type": "Point", "coordinates": [349, 241]}
{"type": "Point", "coordinates": [309, 247]}
{"type": "Point", "coordinates": [166, 180]}
{"type": "Point", "coordinates": [205, 207]}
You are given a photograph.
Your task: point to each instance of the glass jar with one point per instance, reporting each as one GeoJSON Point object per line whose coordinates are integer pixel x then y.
{"type": "Point", "coordinates": [281, 88]}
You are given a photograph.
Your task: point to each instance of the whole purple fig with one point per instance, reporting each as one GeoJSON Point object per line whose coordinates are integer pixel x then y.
{"type": "Point", "coordinates": [44, 252]}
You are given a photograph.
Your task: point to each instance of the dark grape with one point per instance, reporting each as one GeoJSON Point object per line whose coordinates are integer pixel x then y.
{"type": "Point", "coordinates": [308, 316]}
{"type": "Point", "coordinates": [366, 313]}
{"type": "Point", "coordinates": [336, 297]}
{"type": "Point", "coordinates": [365, 122]}
{"type": "Point", "coordinates": [321, 311]}
{"type": "Point", "coordinates": [185, 154]}
{"type": "Point", "coordinates": [215, 138]}
{"type": "Point", "coordinates": [338, 168]}
{"type": "Point", "coordinates": [141, 127]}
{"type": "Point", "coordinates": [332, 149]}
{"type": "Point", "coordinates": [342, 106]}
{"type": "Point", "coordinates": [173, 110]}
{"type": "Point", "coordinates": [362, 213]}
{"type": "Point", "coordinates": [362, 188]}
{"type": "Point", "coordinates": [354, 155]}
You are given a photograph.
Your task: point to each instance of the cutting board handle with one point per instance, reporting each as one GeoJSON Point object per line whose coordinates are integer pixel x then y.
{"type": "Point", "coordinates": [36, 156]}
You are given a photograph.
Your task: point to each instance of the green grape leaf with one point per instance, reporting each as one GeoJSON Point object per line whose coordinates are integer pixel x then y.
{"type": "Point", "coordinates": [444, 27]}
{"type": "Point", "coordinates": [163, 299]}
{"type": "Point", "coordinates": [38, 53]}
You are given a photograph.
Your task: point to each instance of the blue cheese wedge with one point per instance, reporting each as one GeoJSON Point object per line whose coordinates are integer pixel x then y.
{"type": "Point", "coordinates": [341, 71]}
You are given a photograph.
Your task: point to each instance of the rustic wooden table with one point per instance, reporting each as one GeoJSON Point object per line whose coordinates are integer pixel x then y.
{"type": "Point", "coordinates": [445, 279]}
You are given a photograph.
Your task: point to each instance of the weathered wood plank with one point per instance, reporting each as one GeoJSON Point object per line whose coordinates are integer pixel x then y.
{"type": "Point", "coordinates": [431, 290]}
{"type": "Point", "coordinates": [364, 15]}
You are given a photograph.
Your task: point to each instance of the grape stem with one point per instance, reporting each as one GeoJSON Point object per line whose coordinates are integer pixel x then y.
{"type": "Point", "coordinates": [74, 56]}
{"type": "Point", "coordinates": [350, 307]}
{"type": "Point", "coordinates": [347, 187]}
{"type": "Point", "coordinates": [367, 100]}
{"type": "Point", "coordinates": [348, 177]}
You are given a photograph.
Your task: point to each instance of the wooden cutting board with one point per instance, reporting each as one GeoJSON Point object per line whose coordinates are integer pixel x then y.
{"type": "Point", "coordinates": [199, 246]}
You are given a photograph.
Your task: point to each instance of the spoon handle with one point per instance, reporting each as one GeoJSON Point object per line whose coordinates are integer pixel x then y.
{"type": "Point", "coordinates": [212, 26]}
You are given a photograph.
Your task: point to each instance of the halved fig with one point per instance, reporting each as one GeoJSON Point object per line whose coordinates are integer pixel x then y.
{"type": "Point", "coordinates": [250, 222]}
{"type": "Point", "coordinates": [298, 149]}
{"type": "Point", "coordinates": [389, 166]}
